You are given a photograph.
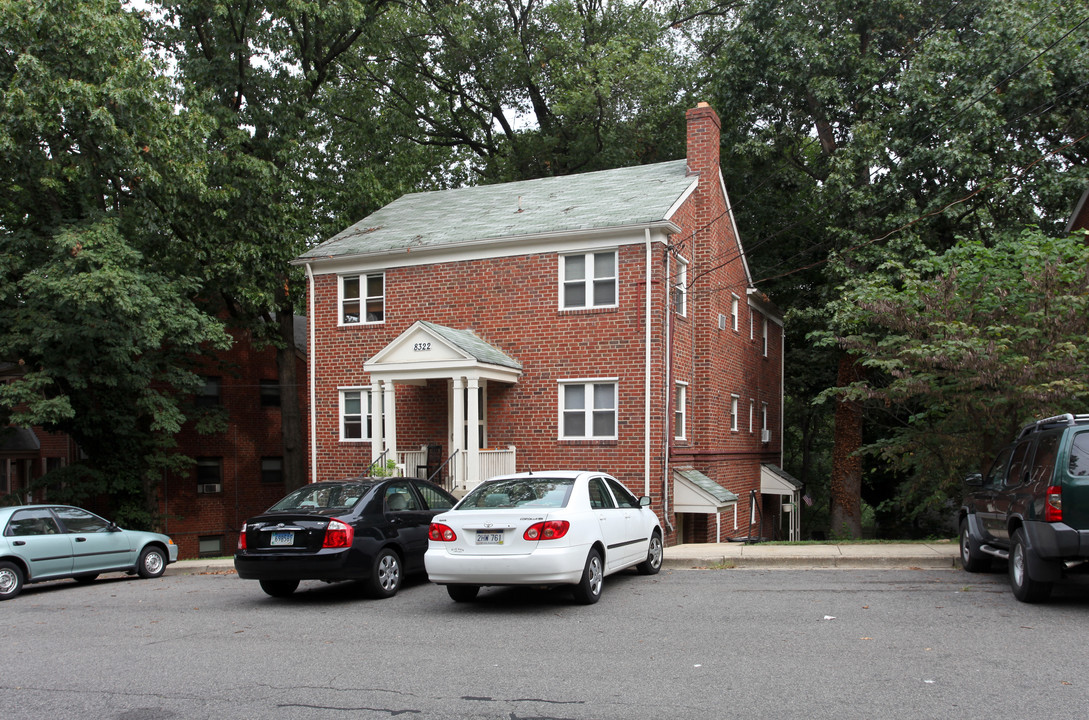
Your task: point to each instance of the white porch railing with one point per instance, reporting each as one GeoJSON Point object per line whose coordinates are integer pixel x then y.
{"type": "Point", "coordinates": [496, 461]}
{"type": "Point", "coordinates": [414, 462]}
{"type": "Point", "coordinates": [493, 461]}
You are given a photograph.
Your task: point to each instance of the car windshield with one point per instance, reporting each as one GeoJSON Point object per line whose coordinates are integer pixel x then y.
{"type": "Point", "coordinates": [542, 492]}
{"type": "Point", "coordinates": [324, 496]}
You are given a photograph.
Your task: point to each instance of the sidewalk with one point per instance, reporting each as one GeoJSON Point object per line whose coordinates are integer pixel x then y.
{"type": "Point", "coordinates": [934, 555]}
{"type": "Point", "coordinates": [929, 556]}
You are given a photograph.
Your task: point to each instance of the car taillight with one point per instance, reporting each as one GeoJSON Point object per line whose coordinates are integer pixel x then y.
{"type": "Point", "coordinates": [1053, 505]}
{"type": "Point", "coordinates": [242, 538]}
{"type": "Point", "coordinates": [441, 533]}
{"type": "Point", "coordinates": [338, 535]}
{"type": "Point", "coordinates": [547, 530]}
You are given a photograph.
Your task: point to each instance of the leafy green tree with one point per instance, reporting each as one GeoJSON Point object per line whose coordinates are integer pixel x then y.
{"type": "Point", "coordinates": [526, 88]}
{"type": "Point", "coordinates": [96, 322]}
{"type": "Point", "coordinates": [962, 348]}
{"type": "Point", "coordinates": [861, 132]}
{"type": "Point", "coordinates": [296, 149]}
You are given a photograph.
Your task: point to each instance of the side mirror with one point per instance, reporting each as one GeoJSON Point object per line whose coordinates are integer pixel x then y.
{"type": "Point", "coordinates": [112, 527]}
{"type": "Point", "coordinates": [974, 480]}
{"type": "Point", "coordinates": [644, 501]}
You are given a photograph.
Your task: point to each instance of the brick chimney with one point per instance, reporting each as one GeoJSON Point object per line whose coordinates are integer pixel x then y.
{"type": "Point", "coordinates": [703, 140]}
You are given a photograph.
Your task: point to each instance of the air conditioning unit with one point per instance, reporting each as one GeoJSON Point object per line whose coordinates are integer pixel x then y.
{"type": "Point", "coordinates": [765, 436]}
{"type": "Point", "coordinates": [209, 488]}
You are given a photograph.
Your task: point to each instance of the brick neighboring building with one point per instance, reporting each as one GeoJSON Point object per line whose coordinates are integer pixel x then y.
{"type": "Point", "coordinates": [601, 321]}
{"type": "Point", "coordinates": [239, 472]}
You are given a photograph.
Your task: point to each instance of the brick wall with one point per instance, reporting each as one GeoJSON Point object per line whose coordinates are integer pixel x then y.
{"type": "Point", "coordinates": [253, 433]}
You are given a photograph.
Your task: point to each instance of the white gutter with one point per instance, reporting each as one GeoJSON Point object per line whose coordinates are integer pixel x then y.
{"type": "Point", "coordinates": [647, 377]}
{"type": "Point", "coordinates": [312, 362]}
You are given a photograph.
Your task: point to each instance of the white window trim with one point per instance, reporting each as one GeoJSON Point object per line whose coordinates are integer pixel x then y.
{"type": "Point", "coordinates": [735, 311]}
{"type": "Point", "coordinates": [752, 414]}
{"type": "Point", "coordinates": [765, 331]}
{"type": "Point", "coordinates": [763, 416]}
{"type": "Point", "coordinates": [680, 287]}
{"type": "Point", "coordinates": [589, 280]}
{"type": "Point", "coordinates": [734, 399]}
{"type": "Point", "coordinates": [363, 298]}
{"type": "Point", "coordinates": [680, 408]}
{"type": "Point", "coordinates": [589, 409]}
{"type": "Point", "coordinates": [365, 418]}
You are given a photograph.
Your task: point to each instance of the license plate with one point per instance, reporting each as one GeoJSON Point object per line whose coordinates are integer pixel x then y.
{"type": "Point", "coordinates": [283, 538]}
{"type": "Point", "coordinates": [489, 538]}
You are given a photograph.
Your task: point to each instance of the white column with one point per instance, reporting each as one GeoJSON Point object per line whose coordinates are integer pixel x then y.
{"type": "Point", "coordinates": [457, 426]}
{"type": "Point", "coordinates": [389, 411]}
{"type": "Point", "coordinates": [472, 432]}
{"type": "Point", "coordinates": [376, 420]}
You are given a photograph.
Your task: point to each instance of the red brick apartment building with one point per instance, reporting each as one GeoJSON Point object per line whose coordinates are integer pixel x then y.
{"type": "Point", "coordinates": [602, 321]}
{"type": "Point", "coordinates": [238, 473]}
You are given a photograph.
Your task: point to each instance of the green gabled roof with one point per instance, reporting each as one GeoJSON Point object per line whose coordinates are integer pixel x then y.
{"type": "Point", "coordinates": [706, 484]}
{"type": "Point", "coordinates": [623, 197]}
{"type": "Point", "coordinates": [469, 342]}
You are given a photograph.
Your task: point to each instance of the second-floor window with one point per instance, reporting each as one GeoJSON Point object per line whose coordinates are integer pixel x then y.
{"type": "Point", "coordinates": [588, 280]}
{"type": "Point", "coordinates": [680, 288]}
{"type": "Point", "coordinates": [362, 299]}
{"type": "Point", "coordinates": [588, 410]}
{"type": "Point", "coordinates": [734, 399]}
{"type": "Point", "coordinates": [270, 393]}
{"type": "Point", "coordinates": [211, 394]}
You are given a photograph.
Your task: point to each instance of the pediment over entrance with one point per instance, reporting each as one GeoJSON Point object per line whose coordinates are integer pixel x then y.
{"type": "Point", "coordinates": [428, 351]}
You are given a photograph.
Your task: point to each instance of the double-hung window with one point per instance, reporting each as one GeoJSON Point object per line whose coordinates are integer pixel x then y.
{"type": "Point", "coordinates": [680, 400]}
{"type": "Point", "coordinates": [362, 299]}
{"type": "Point", "coordinates": [680, 287]}
{"type": "Point", "coordinates": [589, 280]}
{"type": "Point", "coordinates": [588, 410]}
{"type": "Point", "coordinates": [734, 399]}
{"type": "Point", "coordinates": [355, 414]}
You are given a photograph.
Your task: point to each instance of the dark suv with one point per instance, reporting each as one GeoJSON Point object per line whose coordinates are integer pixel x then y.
{"type": "Point", "coordinates": [1032, 507]}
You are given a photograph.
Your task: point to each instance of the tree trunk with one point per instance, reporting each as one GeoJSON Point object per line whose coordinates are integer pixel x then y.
{"type": "Point", "coordinates": [846, 486]}
{"type": "Point", "coordinates": [291, 426]}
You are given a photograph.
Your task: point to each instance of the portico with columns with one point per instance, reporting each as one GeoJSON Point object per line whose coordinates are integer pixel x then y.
{"type": "Point", "coordinates": [427, 352]}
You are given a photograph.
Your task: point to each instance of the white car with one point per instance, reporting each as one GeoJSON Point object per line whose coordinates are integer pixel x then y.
{"type": "Point", "coordinates": [543, 528]}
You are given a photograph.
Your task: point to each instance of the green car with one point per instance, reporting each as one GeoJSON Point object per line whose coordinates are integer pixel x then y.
{"type": "Point", "coordinates": [51, 542]}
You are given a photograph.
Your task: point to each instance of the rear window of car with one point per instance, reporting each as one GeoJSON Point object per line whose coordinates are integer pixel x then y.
{"type": "Point", "coordinates": [540, 492]}
{"type": "Point", "coordinates": [323, 497]}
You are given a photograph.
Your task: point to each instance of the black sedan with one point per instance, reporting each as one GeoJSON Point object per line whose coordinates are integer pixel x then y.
{"type": "Point", "coordinates": [371, 529]}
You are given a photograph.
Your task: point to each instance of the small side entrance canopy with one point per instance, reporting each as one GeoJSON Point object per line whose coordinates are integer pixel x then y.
{"type": "Point", "coordinates": [694, 492]}
{"type": "Point", "coordinates": [426, 351]}
{"type": "Point", "coordinates": [776, 481]}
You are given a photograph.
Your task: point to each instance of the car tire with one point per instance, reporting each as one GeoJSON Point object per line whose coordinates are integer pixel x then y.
{"type": "Point", "coordinates": [279, 588]}
{"type": "Point", "coordinates": [88, 578]}
{"type": "Point", "coordinates": [588, 589]}
{"type": "Point", "coordinates": [386, 575]}
{"type": "Point", "coordinates": [152, 563]}
{"type": "Point", "coordinates": [462, 593]}
{"type": "Point", "coordinates": [11, 580]}
{"type": "Point", "coordinates": [653, 563]}
{"type": "Point", "coordinates": [1024, 587]}
{"type": "Point", "coordinates": [971, 559]}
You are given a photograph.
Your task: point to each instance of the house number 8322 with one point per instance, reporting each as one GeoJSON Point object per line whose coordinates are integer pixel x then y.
{"type": "Point", "coordinates": [421, 347]}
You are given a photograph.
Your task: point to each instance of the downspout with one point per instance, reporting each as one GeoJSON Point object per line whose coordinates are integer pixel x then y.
{"type": "Point", "coordinates": [647, 370]}
{"type": "Point", "coordinates": [312, 362]}
{"type": "Point", "coordinates": [668, 424]}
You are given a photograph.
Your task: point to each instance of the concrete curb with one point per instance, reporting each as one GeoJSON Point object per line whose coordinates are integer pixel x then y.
{"type": "Point", "coordinates": [926, 556]}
